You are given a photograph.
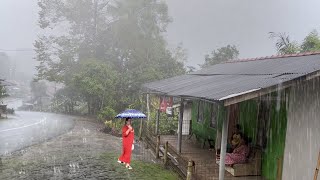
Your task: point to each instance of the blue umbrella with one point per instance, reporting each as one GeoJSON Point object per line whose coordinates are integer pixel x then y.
{"type": "Point", "coordinates": [131, 113]}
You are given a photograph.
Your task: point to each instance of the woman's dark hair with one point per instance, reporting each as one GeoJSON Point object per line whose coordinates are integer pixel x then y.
{"type": "Point", "coordinates": [238, 126]}
{"type": "Point", "coordinates": [246, 139]}
{"type": "Point", "coordinates": [127, 119]}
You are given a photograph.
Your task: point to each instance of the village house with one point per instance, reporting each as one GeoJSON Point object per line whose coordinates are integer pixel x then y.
{"type": "Point", "coordinates": [276, 102]}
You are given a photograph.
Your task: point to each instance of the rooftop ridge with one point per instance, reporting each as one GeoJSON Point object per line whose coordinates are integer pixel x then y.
{"type": "Point", "coordinates": [274, 57]}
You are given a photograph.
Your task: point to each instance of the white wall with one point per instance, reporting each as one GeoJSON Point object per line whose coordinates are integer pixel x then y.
{"type": "Point", "coordinates": [186, 119]}
{"type": "Point", "coordinates": [303, 132]}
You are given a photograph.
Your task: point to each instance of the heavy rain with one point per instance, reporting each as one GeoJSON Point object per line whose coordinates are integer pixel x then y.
{"type": "Point", "coordinates": [159, 89]}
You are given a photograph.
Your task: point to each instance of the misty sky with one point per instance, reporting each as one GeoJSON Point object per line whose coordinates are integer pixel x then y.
{"type": "Point", "coordinates": [201, 25]}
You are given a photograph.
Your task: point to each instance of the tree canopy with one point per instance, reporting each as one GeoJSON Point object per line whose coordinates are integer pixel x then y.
{"type": "Point", "coordinates": [104, 50]}
{"type": "Point", "coordinates": [285, 45]}
{"type": "Point", "coordinates": [229, 52]}
{"type": "Point", "coordinates": [4, 65]}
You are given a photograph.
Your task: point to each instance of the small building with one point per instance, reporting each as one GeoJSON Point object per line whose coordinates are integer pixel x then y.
{"type": "Point", "coordinates": [276, 100]}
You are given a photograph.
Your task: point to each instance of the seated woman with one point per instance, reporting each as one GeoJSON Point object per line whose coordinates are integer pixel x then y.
{"type": "Point", "coordinates": [235, 138]}
{"type": "Point", "coordinates": [239, 154]}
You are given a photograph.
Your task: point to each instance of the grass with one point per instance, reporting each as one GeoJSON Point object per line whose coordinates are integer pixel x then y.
{"type": "Point", "coordinates": [141, 170]}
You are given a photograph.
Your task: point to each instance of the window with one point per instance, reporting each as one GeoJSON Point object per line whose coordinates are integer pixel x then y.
{"type": "Point", "coordinates": [200, 111]}
{"type": "Point", "coordinates": [214, 115]}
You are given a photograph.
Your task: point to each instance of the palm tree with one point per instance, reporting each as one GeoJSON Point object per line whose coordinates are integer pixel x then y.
{"type": "Point", "coordinates": [284, 45]}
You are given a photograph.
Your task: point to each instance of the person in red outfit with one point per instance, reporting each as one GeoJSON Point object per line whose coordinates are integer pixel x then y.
{"type": "Point", "coordinates": [127, 141]}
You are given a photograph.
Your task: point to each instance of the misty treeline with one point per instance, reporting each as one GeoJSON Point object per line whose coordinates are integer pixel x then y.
{"type": "Point", "coordinates": [102, 51]}
{"type": "Point", "coordinates": [4, 72]}
{"type": "Point", "coordinates": [5, 65]}
{"type": "Point", "coordinates": [285, 45]}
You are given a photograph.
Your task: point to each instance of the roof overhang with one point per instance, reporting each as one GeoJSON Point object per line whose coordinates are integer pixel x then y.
{"type": "Point", "coordinates": [231, 83]}
{"type": "Point", "coordinates": [278, 87]}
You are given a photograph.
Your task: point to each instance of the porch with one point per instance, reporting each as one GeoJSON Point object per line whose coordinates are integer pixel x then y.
{"type": "Point", "coordinates": [205, 166]}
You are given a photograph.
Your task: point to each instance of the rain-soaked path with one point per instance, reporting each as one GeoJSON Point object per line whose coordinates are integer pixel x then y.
{"type": "Point", "coordinates": [40, 146]}
{"type": "Point", "coordinates": [82, 153]}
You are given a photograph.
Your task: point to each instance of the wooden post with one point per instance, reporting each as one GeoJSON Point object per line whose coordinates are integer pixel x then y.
{"type": "Point", "coordinates": [148, 108]}
{"type": "Point", "coordinates": [140, 131]}
{"type": "Point", "coordinates": [157, 123]}
{"type": "Point", "coordinates": [166, 153]}
{"type": "Point", "coordinates": [180, 125]}
{"type": "Point", "coordinates": [224, 144]}
{"type": "Point", "coordinates": [189, 171]}
{"type": "Point", "coordinates": [158, 147]}
{"type": "Point", "coordinates": [317, 168]}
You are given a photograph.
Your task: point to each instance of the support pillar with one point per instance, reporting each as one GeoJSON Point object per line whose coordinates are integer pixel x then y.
{"type": "Point", "coordinates": [224, 144]}
{"type": "Point", "coordinates": [180, 125]}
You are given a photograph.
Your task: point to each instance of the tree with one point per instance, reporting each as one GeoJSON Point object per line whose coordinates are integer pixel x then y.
{"type": "Point", "coordinates": [125, 37]}
{"type": "Point", "coordinates": [220, 55]}
{"type": "Point", "coordinates": [284, 45]}
{"type": "Point", "coordinates": [4, 65]}
{"type": "Point", "coordinates": [65, 100]}
{"type": "Point", "coordinates": [96, 84]}
{"type": "Point", "coordinates": [311, 42]}
{"type": "Point", "coordinates": [3, 92]}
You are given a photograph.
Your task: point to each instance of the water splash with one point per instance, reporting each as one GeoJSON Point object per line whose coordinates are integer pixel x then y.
{"type": "Point", "coordinates": [73, 167]}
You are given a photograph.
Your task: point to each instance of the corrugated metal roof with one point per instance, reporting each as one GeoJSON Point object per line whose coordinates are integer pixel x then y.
{"type": "Point", "coordinates": [300, 64]}
{"type": "Point", "coordinates": [227, 80]}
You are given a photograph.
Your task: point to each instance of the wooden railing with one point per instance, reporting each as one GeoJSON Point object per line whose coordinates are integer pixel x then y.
{"type": "Point", "coordinates": [170, 157]}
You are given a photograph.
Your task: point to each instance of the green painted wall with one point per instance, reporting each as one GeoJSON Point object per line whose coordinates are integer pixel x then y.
{"type": "Point", "coordinates": [202, 130]}
{"type": "Point", "coordinates": [276, 140]}
{"type": "Point", "coordinates": [276, 133]}
{"type": "Point", "coordinates": [248, 121]}
{"type": "Point", "coordinates": [248, 118]}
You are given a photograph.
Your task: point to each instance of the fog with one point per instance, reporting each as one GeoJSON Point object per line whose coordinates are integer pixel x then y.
{"type": "Point", "coordinates": [200, 26]}
{"type": "Point", "coordinates": [92, 59]}
{"type": "Point", "coordinates": [206, 25]}
{"type": "Point", "coordinates": [18, 32]}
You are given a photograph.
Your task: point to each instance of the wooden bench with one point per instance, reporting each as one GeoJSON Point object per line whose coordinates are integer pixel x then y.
{"type": "Point", "coordinates": [251, 168]}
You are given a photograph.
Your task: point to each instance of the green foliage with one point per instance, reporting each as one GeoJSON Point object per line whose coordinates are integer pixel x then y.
{"type": "Point", "coordinates": [3, 92]}
{"type": "Point", "coordinates": [108, 51]}
{"type": "Point", "coordinates": [107, 113]}
{"type": "Point", "coordinates": [311, 42]}
{"type": "Point", "coordinates": [65, 100]}
{"type": "Point", "coordinates": [4, 65]}
{"type": "Point", "coordinates": [95, 82]}
{"type": "Point", "coordinates": [167, 125]}
{"type": "Point", "coordinates": [284, 44]}
{"type": "Point", "coordinates": [220, 55]}
{"type": "Point", "coordinates": [141, 169]}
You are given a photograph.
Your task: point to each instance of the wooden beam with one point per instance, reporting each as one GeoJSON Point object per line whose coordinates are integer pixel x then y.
{"type": "Point", "coordinates": [271, 89]}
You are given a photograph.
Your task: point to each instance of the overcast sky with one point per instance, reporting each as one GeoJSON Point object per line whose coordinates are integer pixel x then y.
{"type": "Point", "coordinates": [201, 25]}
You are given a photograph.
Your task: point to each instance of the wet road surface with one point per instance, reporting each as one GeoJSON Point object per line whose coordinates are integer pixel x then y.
{"type": "Point", "coordinates": [27, 128]}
